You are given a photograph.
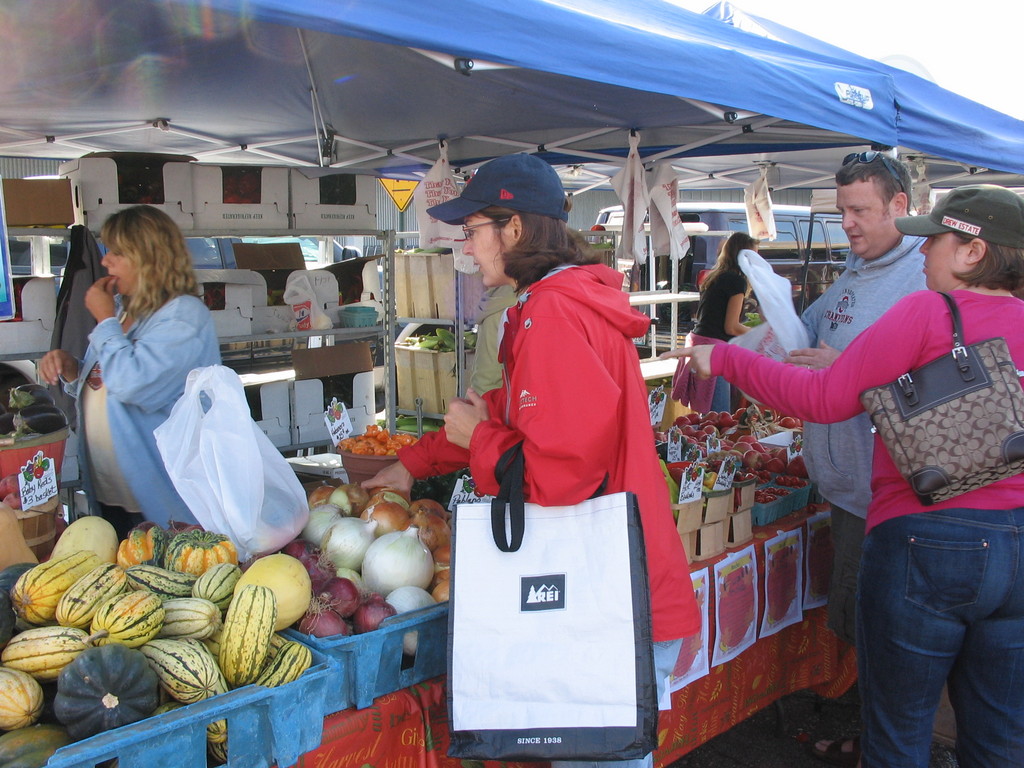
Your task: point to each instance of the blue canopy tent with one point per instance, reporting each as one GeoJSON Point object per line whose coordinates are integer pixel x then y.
{"type": "Point", "coordinates": [373, 86]}
{"type": "Point", "coordinates": [931, 120]}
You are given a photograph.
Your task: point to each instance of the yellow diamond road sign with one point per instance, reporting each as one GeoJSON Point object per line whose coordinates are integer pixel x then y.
{"type": "Point", "coordinates": [399, 190]}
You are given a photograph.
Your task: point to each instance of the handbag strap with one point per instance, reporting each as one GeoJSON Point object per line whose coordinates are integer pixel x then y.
{"type": "Point", "coordinates": [959, 351]}
{"type": "Point", "coordinates": [510, 504]}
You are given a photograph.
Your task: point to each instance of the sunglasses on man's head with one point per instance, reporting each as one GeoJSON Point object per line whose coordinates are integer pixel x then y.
{"type": "Point", "coordinates": [869, 157]}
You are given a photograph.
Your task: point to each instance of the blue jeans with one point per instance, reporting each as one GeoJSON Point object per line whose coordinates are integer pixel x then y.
{"type": "Point", "coordinates": [941, 595]}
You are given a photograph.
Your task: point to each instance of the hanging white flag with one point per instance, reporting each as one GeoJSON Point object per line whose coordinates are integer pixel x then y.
{"type": "Point", "coordinates": [668, 235]}
{"type": "Point", "coordinates": [760, 217]}
{"type": "Point", "coordinates": [629, 185]}
{"type": "Point", "coordinates": [437, 187]}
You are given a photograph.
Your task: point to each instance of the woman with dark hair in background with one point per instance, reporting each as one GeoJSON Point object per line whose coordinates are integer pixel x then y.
{"type": "Point", "coordinates": [719, 318]}
{"type": "Point", "coordinates": [151, 330]}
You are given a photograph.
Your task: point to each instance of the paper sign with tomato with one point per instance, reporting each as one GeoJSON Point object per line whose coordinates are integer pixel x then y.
{"type": "Point", "coordinates": [691, 483]}
{"type": "Point", "coordinates": [796, 447]}
{"type": "Point", "coordinates": [735, 605]}
{"type": "Point", "coordinates": [726, 474]}
{"type": "Point", "coordinates": [338, 421]}
{"type": "Point", "coordinates": [656, 404]}
{"type": "Point", "coordinates": [693, 662]}
{"type": "Point", "coordinates": [783, 581]}
{"type": "Point", "coordinates": [674, 446]}
{"type": "Point", "coordinates": [37, 481]}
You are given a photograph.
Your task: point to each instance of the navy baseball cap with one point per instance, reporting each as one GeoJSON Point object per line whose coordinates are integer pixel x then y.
{"type": "Point", "coordinates": [520, 182]}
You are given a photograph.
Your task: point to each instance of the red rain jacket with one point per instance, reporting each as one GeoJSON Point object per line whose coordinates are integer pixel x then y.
{"type": "Point", "coordinates": [574, 396]}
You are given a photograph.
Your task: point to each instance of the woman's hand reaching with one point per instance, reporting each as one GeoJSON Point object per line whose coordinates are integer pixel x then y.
{"type": "Point", "coordinates": [700, 358]}
{"type": "Point", "coordinates": [463, 416]}
{"type": "Point", "coordinates": [57, 363]}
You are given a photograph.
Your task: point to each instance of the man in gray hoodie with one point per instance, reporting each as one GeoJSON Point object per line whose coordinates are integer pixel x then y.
{"type": "Point", "coordinates": [883, 266]}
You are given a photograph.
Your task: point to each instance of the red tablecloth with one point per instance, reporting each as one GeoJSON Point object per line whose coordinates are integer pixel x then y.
{"type": "Point", "coordinates": [409, 728]}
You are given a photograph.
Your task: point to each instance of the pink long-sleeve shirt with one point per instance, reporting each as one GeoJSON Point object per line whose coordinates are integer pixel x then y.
{"type": "Point", "coordinates": [917, 330]}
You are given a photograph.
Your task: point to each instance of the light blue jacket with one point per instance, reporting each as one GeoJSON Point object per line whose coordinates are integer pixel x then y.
{"type": "Point", "coordinates": [839, 456]}
{"type": "Point", "coordinates": [144, 371]}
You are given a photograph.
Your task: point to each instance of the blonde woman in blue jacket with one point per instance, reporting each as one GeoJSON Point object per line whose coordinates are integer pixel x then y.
{"type": "Point", "coordinates": [151, 330]}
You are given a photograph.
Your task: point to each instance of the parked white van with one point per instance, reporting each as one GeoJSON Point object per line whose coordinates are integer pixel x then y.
{"type": "Point", "coordinates": [811, 253]}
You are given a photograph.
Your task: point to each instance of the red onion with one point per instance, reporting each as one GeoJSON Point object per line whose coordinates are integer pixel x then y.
{"type": "Point", "coordinates": [340, 595]}
{"type": "Point", "coordinates": [298, 548]}
{"type": "Point", "coordinates": [320, 621]}
{"type": "Point", "coordinates": [371, 613]}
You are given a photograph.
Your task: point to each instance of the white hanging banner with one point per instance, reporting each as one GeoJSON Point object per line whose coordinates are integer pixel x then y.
{"type": "Point", "coordinates": [760, 217]}
{"type": "Point", "coordinates": [667, 232]}
{"type": "Point", "coordinates": [632, 191]}
{"type": "Point", "coordinates": [437, 187]}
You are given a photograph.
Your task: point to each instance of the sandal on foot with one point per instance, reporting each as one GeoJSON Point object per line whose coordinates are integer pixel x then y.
{"type": "Point", "coordinates": [834, 754]}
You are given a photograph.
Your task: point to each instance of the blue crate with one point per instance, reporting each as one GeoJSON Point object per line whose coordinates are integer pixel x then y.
{"type": "Point", "coordinates": [796, 499]}
{"type": "Point", "coordinates": [265, 726]}
{"type": "Point", "coordinates": [373, 663]}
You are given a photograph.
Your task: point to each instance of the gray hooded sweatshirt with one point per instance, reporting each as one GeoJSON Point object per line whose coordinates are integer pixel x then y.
{"type": "Point", "coordinates": [838, 456]}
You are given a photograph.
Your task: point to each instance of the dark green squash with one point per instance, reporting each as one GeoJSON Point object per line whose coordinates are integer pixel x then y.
{"type": "Point", "coordinates": [31, 747]}
{"type": "Point", "coordinates": [7, 618]}
{"type": "Point", "coordinates": [10, 574]}
{"type": "Point", "coordinates": [105, 688]}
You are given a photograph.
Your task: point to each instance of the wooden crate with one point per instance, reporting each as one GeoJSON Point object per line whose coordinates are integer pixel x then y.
{"type": "Point", "coordinates": [718, 505]}
{"type": "Point", "coordinates": [739, 528]}
{"type": "Point", "coordinates": [426, 374]}
{"type": "Point", "coordinates": [689, 516]}
{"type": "Point", "coordinates": [425, 287]}
{"type": "Point", "coordinates": [709, 541]}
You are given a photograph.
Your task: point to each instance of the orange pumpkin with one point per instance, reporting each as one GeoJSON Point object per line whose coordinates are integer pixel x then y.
{"type": "Point", "coordinates": [144, 545]}
{"type": "Point", "coordinates": [195, 551]}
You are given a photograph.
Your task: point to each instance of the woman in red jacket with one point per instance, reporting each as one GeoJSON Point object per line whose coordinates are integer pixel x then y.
{"type": "Point", "coordinates": [573, 394]}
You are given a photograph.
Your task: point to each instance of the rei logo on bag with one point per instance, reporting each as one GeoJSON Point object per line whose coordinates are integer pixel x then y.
{"type": "Point", "coordinates": [542, 593]}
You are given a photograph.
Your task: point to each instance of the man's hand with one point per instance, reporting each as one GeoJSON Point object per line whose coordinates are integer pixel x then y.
{"type": "Point", "coordinates": [821, 357]}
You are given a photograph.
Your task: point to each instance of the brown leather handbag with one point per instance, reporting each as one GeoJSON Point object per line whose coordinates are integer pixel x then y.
{"type": "Point", "coordinates": [955, 424]}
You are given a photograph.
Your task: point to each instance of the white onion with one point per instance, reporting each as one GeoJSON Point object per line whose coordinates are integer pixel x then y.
{"type": "Point", "coordinates": [320, 519]}
{"type": "Point", "coordinates": [346, 540]}
{"type": "Point", "coordinates": [396, 560]}
{"type": "Point", "coordinates": [403, 600]}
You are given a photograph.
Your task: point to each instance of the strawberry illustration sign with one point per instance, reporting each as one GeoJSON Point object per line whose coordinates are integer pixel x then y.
{"type": "Point", "coordinates": [656, 403]}
{"type": "Point", "coordinates": [339, 423]}
{"type": "Point", "coordinates": [37, 481]}
{"type": "Point", "coordinates": [466, 492]}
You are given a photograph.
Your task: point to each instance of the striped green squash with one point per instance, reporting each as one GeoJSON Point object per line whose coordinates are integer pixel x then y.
{"type": "Point", "coordinates": [131, 619]}
{"type": "Point", "coordinates": [166, 584]}
{"type": "Point", "coordinates": [186, 670]}
{"type": "Point", "coordinates": [77, 606]}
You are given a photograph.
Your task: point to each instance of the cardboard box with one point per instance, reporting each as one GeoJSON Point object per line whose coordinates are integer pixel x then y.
{"type": "Point", "coordinates": [275, 421]}
{"type": "Point", "coordinates": [739, 528]}
{"type": "Point", "coordinates": [351, 357]}
{"type": "Point", "coordinates": [329, 203]}
{"type": "Point", "coordinates": [38, 307]}
{"type": "Point", "coordinates": [38, 203]}
{"type": "Point", "coordinates": [241, 290]}
{"type": "Point", "coordinates": [718, 505]}
{"type": "Point", "coordinates": [240, 197]}
{"type": "Point", "coordinates": [307, 407]}
{"type": "Point", "coordinates": [425, 287]}
{"type": "Point", "coordinates": [273, 262]}
{"type": "Point", "coordinates": [709, 542]}
{"type": "Point", "coordinates": [102, 185]}
{"type": "Point", "coordinates": [689, 516]}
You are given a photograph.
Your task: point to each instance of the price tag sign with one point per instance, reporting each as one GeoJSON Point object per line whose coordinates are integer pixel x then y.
{"type": "Point", "coordinates": [339, 423]}
{"type": "Point", "coordinates": [693, 453]}
{"type": "Point", "coordinates": [796, 447]}
{"type": "Point", "coordinates": [656, 404]}
{"type": "Point", "coordinates": [713, 444]}
{"type": "Point", "coordinates": [37, 481]}
{"type": "Point", "coordinates": [691, 483]}
{"type": "Point", "coordinates": [726, 474]}
{"type": "Point", "coordinates": [674, 448]}
{"type": "Point", "coordinates": [465, 492]}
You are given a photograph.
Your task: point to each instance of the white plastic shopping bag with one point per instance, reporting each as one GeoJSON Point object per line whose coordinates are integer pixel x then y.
{"type": "Point", "coordinates": [226, 470]}
{"type": "Point", "coordinates": [631, 187]}
{"type": "Point", "coordinates": [760, 215]}
{"type": "Point", "coordinates": [775, 296]}
{"type": "Point", "coordinates": [300, 293]}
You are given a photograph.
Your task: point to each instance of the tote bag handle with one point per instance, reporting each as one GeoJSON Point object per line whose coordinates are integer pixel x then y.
{"type": "Point", "coordinates": [508, 508]}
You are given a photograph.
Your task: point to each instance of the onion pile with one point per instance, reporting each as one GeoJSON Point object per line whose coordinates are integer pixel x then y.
{"type": "Point", "coordinates": [357, 548]}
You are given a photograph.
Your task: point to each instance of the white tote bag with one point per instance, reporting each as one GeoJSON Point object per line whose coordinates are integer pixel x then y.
{"type": "Point", "coordinates": [550, 652]}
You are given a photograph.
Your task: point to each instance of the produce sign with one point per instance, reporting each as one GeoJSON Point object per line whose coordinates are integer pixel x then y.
{"type": "Point", "coordinates": [37, 482]}
{"type": "Point", "coordinates": [735, 605]}
{"type": "Point", "coordinates": [339, 423]}
{"type": "Point", "coordinates": [819, 559]}
{"type": "Point", "coordinates": [783, 580]}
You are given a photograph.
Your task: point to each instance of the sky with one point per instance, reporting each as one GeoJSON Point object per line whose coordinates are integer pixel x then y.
{"type": "Point", "coordinates": [971, 48]}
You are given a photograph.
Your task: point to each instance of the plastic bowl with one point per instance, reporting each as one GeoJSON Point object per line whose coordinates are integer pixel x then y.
{"type": "Point", "coordinates": [361, 467]}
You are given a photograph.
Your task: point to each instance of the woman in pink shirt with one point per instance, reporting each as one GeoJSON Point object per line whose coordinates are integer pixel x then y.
{"type": "Point", "coordinates": [941, 588]}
